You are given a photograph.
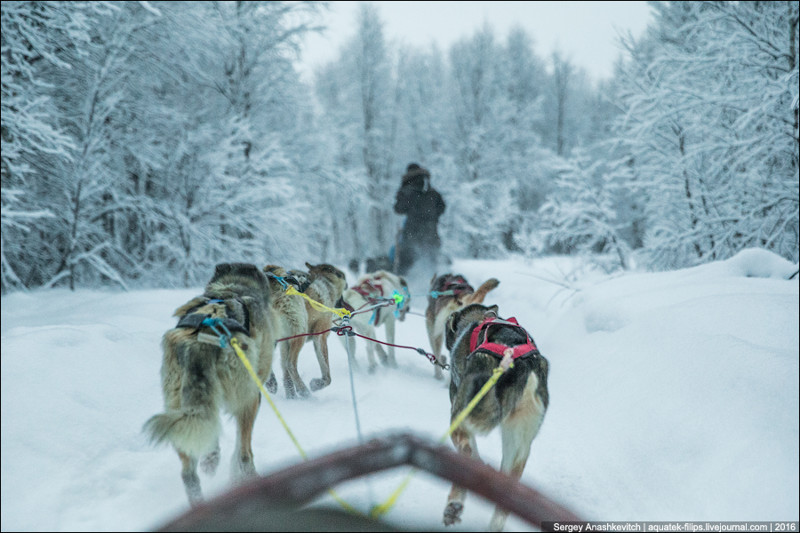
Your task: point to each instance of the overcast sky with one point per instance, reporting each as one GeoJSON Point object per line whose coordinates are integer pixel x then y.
{"type": "Point", "coordinates": [585, 31]}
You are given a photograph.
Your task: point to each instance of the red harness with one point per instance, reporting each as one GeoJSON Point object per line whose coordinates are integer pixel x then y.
{"type": "Point", "coordinates": [496, 348]}
{"type": "Point", "coordinates": [368, 290]}
{"type": "Point", "coordinates": [457, 284]}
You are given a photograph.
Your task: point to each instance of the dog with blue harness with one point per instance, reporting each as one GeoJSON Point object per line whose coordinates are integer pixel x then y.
{"type": "Point", "coordinates": [201, 374]}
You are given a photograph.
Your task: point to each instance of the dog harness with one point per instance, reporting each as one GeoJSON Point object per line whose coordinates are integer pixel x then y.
{"type": "Point", "coordinates": [284, 281]}
{"type": "Point", "coordinates": [453, 286]}
{"type": "Point", "coordinates": [195, 320]}
{"type": "Point", "coordinates": [479, 339]}
{"type": "Point", "coordinates": [371, 291]}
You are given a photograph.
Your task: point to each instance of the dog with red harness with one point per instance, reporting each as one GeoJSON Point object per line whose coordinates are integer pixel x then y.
{"type": "Point", "coordinates": [479, 342]}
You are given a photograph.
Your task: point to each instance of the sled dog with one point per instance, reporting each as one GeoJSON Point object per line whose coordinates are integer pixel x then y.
{"type": "Point", "coordinates": [478, 341]}
{"type": "Point", "coordinates": [290, 318]}
{"type": "Point", "coordinates": [198, 377]}
{"type": "Point", "coordinates": [327, 283]}
{"type": "Point", "coordinates": [372, 289]}
{"type": "Point", "coordinates": [449, 293]}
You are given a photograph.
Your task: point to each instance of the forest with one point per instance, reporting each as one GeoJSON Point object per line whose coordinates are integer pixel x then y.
{"type": "Point", "coordinates": [143, 142]}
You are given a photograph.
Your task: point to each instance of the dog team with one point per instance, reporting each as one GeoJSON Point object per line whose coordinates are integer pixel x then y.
{"type": "Point", "coordinates": [263, 310]}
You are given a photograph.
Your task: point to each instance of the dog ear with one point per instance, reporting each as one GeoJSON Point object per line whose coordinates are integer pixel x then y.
{"type": "Point", "coordinates": [450, 329]}
{"type": "Point", "coordinates": [492, 310]}
{"type": "Point", "coordinates": [188, 306]}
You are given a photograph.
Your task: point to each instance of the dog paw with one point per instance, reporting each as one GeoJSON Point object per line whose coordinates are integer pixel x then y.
{"type": "Point", "coordinates": [452, 513]}
{"type": "Point", "coordinates": [317, 384]}
{"type": "Point", "coordinates": [272, 384]}
{"type": "Point", "coordinates": [210, 462]}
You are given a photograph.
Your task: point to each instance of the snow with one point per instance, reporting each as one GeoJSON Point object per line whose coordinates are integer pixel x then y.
{"type": "Point", "coordinates": [674, 396]}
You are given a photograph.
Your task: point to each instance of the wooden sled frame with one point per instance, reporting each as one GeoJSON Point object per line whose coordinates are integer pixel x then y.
{"type": "Point", "coordinates": [273, 502]}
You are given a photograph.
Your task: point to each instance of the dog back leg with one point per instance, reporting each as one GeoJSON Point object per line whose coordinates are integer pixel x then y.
{"type": "Point", "coordinates": [191, 482]}
{"type": "Point", "coordinates": [321, 349]}
{"type": "Point", "coordinates": [390, 360]}
{"type": "Point", "coordinates": [242, 466]}
{"type": "Point", "coordinates": [369, 331]}
{"type": "Point", "coordinates": [292, 382]}
{"type": "Point", "coordinates": [517, 432]}
{"type": "Point", "coordinates": [210, 462]}
{"type": "Point", "coordinates": [466, 445]}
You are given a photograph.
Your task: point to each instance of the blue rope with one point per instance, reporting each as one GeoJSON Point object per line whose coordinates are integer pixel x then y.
{"type": "Point", "coordinates": [436, 294]}
{"type": "Point", "coordinates": [224, 338]}
{"type": "Point", "coordinates": [279, 279]}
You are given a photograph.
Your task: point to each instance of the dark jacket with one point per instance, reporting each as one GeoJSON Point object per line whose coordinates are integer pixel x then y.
{"type": "Point", "coordinates": [422, 206]}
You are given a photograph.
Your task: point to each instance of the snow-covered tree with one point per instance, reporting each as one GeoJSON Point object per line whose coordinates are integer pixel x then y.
{"type": "Point", "coordinates": [710, 103]}
{"type": "Point", "coordinates": [35, 36]}
{"type": "Point", "coordinates": [581, 214]}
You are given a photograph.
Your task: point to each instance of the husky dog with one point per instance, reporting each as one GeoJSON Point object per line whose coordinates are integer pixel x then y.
{"type": "Point", "coordinates": [326, 287]}
{"type": "Point", "coordinates": [449, 293]}
{"type": "Point", "coordinates": [290, 318]}
{"type": "Point", "coordinates": [479, 342]}
{"type": "Point", "coordinates": [373, 289]}
{"type": "Point", "coordinates": [198, 377]}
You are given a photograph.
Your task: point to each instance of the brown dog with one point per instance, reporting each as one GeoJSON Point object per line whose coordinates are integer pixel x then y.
{"type": "Point", "coordinates": [479, 341]}
{"type": "Point", "coordinates": [449, 293]}
{"type": "Point", "coordinates": [290, 318]}
{"type": "Point", "coordinates": [199, 377]}
{"type": "Point", "coordinates": [327, 283]}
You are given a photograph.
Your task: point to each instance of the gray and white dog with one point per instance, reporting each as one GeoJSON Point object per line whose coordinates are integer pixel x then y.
{"type": "Point", "coordinates": [479, 342]}
{"type": "Point", "coordinates": [376, 288]}
{"type": "Point", "coordinates": [199, 378]}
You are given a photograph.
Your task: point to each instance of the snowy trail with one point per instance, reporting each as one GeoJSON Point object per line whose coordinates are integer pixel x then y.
{"type": "Point", "coordinates": [674, 396]}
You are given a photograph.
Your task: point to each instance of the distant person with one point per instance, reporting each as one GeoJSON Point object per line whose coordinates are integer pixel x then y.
{"type": "Point", "coordinates": [422, 205]}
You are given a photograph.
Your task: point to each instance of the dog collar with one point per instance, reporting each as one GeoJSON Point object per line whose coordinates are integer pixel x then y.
{"type": "Point", "coordinates": [495, 348]}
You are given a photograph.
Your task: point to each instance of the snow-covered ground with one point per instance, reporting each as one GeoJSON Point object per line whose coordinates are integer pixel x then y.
{"type": "Point", "coordinates": [674, 396]}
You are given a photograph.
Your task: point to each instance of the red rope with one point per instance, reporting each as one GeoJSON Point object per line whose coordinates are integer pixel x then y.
{"type": "Point", "coordinates": [432, 358]}
{"type": "Point", "coordinates": [303, 335]}
{"type": "Point", "coordinates": [348, 330]}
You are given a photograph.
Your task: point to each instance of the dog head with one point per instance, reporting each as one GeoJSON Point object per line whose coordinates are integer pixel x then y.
{"type": "Point", "coordinates": [237, 279]}
{"type": "Point", "coordinates": [471, 314]}
{"type": "Point", "coordinates": [399, 284]}
{"type": "Point", "coordinates": [330, 273]}
{"type": "Point", "coordinates": [275, 269]}
{"type": "Point", "coordinates": [446, 283]}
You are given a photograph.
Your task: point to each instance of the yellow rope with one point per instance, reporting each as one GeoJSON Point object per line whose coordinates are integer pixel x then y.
{"type": "Point", "coordinates": [342, 312]}
{"type": "Point", "coordinates": [383, 508]}
{"type": "Point", "coordinates": [234, 342]}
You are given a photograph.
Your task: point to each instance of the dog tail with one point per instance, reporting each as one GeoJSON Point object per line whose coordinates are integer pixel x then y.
{"type": "Point", "coordinates": [487, 286]}
{"type": "Point", "coordinates": [488, 413]}
{"type": "Point", "coordinates": [194, 427]}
